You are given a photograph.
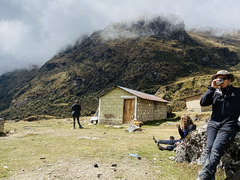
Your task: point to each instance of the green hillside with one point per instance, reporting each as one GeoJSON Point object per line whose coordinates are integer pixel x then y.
{"type": "Point", "coordinates": [156, 55]}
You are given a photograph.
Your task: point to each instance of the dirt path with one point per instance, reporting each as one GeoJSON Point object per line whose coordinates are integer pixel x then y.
{"type": "Point", "coordinates": [79, 169]}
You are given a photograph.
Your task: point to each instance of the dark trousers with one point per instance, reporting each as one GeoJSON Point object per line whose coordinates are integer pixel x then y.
{"type": "Point", "coordinates": [74, 121]}
{"type": "Point", "coordinates": [171, 142]}
{"type": "Point", "coordinates": [217, 141]}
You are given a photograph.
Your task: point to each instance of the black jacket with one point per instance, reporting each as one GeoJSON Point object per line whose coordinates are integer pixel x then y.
{"type": "Point", "coordinates": [76, 108]}
{"type": "Point", "coordinates": [225, 107]}
{"type": "Point", "coordinates": [189, 129]}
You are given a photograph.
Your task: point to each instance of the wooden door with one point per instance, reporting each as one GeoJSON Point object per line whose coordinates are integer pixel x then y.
{"type": "Point", "coordinates": [128, 112]}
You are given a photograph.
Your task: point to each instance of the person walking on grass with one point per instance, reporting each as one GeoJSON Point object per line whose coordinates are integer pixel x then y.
{"type": "Point", "coordinates": [222, 126]}
{"type": "Point", "coordinates": [76, 108]}
{"type": "Point", "coordinates": [186, 127]}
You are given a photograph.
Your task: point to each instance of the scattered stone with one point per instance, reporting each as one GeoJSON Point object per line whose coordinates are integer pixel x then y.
{"type": "Point", "coordinates": [5, 167]}
{"type": "Point", "coordinates": [118, 127]}
{"type": "Point", "coordinates": [99, 174]}
{"type": "Point", "coordinates": [96, 165]}
{"type": "Point", "coordinates": [133, 128]}
{"type": "Point", "coordinates": [114, 165]}
{"type": "Point", "coordinates": [42, 157]}
{"type": "Point", "coordinates": [85, 137]}
{"type": "Point", "coordinates": [169, 124]}
{"type": "Point", "coordinates": [111, 126]}
{"type": "Point", "coordinates": [172, 158]}
{"type": "Point", "coordinates": [12, 131]}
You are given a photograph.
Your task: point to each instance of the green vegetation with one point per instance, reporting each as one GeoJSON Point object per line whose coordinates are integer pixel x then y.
{"type": "Point", "coordinates": [94, 66]}
{"type": "Point", "coordinates": [49, 148]}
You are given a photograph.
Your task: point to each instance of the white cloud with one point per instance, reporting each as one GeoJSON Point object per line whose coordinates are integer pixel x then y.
{"type": "Point", "coordinates": [31, 32]}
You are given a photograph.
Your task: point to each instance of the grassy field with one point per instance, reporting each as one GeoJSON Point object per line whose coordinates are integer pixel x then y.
{"type": "Point", "coordinates": [50, 149]}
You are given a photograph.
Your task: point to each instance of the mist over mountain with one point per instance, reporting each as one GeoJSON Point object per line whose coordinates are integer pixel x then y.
{"type": "Point", "coordinates": [143, 54]}
{"type": "Point", "coordinates": [163, 26]}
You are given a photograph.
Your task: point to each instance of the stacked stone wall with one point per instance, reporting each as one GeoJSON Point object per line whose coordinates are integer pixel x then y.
{"type": "Point", "coordinates": [151, 110]}
{"type": "Point", "coordinates": [111, 108]}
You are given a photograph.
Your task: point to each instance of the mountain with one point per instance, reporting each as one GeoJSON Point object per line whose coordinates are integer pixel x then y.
{"type": "Point", "coordinates": [144, 55]}
{"type": "Point", "coordinates": [12, 82]}
{"type": "Point", "coordinates": [183, 88]}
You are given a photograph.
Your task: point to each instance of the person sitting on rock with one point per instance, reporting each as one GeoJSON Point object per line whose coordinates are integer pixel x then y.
{"type": "Point", "coordinates": [187, 126]}
{"type": "Point", "coordinates": [223, 124]}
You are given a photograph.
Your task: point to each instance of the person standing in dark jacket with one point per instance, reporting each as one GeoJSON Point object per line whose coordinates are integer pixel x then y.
{"type": "Point", "coordinates": [222, 126]}
{"type": "Point", "coordinates": [184, 129]}
{"type": "Point", "coordinates": [76, 108]}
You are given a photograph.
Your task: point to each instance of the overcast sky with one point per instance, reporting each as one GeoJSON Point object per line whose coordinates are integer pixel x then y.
{"type": "Point", "coordinates": [33, 31]}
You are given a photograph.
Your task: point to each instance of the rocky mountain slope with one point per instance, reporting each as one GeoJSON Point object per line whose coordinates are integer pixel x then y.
{"type": "Point", "coordinates": [143, 55]}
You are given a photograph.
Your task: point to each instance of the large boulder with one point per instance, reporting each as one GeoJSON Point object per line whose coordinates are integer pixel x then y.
{"type": "Point", "coordinates": [193, 147]}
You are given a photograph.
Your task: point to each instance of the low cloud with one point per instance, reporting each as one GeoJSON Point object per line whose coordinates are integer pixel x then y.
{"type": "Point", "coordinates": [142, 27]}
{"type": "Point", "coordinates": [32, 32]}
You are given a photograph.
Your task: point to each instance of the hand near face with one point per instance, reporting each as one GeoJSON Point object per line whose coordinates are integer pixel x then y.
{"type": "Point", "coordinates": [214, 85]}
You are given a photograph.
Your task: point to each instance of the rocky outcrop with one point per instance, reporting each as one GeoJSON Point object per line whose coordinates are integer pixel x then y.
{"type": "Point", "coordinates": [193, 147]}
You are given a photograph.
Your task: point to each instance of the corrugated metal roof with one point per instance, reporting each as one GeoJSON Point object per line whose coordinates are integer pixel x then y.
{"type": "Point", "coordinates": [144, 95]}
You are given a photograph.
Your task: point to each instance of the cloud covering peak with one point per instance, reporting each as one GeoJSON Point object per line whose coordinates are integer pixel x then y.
{"type": "Point", "coordinates": [31, 32]}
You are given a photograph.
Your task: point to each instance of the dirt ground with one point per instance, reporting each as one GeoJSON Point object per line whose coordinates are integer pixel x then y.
{"type": "Point", "coordinates": [81, 169]}
{"type": "Point", "coordinates": [123, 168]}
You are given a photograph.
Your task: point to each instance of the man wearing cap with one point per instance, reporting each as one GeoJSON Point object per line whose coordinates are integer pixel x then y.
{"type": "Point", "coordinates": [222, 126]}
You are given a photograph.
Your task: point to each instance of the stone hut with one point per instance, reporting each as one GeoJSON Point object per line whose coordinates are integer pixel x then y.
{"type": "Point", "coordinates": [193, 104]}
{"type": "Point", "coordinates": [122, 105]}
